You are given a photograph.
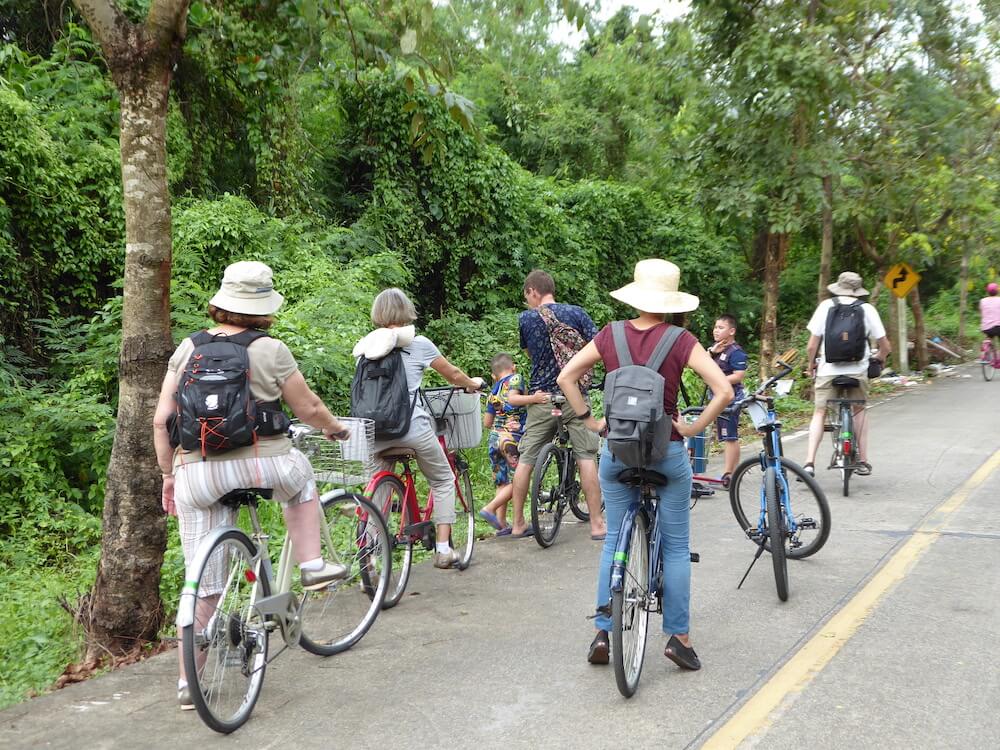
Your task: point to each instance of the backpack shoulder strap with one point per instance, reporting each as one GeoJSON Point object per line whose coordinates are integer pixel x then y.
{"type": "Point", "coordinates": [201, 338]}
{"type": "Point", "coordinates": [247, 337]}
{"type": "Point", "coordinates": [663, 347]}
{"type": "Point", "coordinates": [621, 344]}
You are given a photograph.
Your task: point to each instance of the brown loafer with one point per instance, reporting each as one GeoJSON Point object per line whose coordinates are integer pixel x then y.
{"type": "Point", "coordinates": [599, 648]}
{"type": "Point", "coordinates": [681, 655]}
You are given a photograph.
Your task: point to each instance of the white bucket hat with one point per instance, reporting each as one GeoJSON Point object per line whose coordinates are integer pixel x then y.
{"type": "Point", "coordinates": [248, 288]}
{"type": "Point", "coordinates": [655, 289]}
{"type": "Point", "coordinates": [848, 285]}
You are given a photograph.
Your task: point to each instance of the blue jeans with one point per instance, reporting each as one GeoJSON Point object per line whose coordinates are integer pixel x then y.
{"type": "Point", "coordinates": [674, 511]}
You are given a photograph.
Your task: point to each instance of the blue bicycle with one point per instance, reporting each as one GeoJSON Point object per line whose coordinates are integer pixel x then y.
{"type": "Point", "coordinates": [761, 490]}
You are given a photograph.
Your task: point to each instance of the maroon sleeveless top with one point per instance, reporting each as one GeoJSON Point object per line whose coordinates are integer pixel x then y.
{"type": "Point", "coordinates": [641, 344]}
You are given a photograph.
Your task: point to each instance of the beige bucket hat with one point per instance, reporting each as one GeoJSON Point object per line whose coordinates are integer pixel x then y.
{"type": "Point", "coordinates": [848, 285]}
{"type": "Point", "coordinates": [248, 288]}
{"type": "Point", "coordinates": [655, 289]}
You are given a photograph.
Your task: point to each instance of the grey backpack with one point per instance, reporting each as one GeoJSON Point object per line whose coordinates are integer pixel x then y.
{"type": "Point", "coordinates": [638, 426]}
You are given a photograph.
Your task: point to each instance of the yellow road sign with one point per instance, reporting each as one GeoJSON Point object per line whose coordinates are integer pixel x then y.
{"type": "Point", "coordinates": [901, 279]}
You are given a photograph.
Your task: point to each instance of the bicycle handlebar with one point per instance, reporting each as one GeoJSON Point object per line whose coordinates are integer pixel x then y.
{"type": "Point", "coordinates": [758, 395]}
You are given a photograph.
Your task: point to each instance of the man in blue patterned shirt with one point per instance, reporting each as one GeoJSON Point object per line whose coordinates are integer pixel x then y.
{"type": "Point", "coordinates": [540, 289]}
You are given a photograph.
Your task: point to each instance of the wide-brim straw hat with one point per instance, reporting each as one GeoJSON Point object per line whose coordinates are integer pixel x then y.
{"type": "Point", "coordinates": [656, 289]}
{"type": "Point", "coordinates": [848, 285]}
{"type": "Point", "coordinates": [248, 288]}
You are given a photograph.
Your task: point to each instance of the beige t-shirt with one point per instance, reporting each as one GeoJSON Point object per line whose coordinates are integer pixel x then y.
{"type": "Point", "coordinates": [271, 364]}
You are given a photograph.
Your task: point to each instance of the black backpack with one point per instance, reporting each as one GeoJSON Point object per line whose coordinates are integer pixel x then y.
{"type": "Point", "coordinates": [216, 411]}
{"type": "Point", "coordinates": [845, 338]}
{"type": "Point", "coordinates": [379, 392]}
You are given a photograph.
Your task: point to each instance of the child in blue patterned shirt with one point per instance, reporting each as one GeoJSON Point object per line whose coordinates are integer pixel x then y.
{"type": "Point", "coordinates": [505, 418]}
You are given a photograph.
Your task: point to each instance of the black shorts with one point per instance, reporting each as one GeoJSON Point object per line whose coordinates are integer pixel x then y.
{"type": "Point", "coordinates": [994, 331]}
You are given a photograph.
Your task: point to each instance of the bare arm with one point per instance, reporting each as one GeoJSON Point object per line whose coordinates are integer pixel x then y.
{"type": "Point", "coordinates": [722, 392]}
{"type": "Point", "coordinates": [454, 375]}
{"type": "Point", "coordinates": [737, 376]}
{"type": "Point", "coordinates": [308, 407]}
{"type": "Point", "coordinates": [488, 420]}
{"type": "Point", "coordinates": [812, 349]}
{"type": "Point", "coordinates": [517, 398]}
{"type": "Point", "coordinates": [582, 361]}
{"type": "Point", "coordinates": [161, 442]}
{"type": "Point", "coordinates": [884, 348]}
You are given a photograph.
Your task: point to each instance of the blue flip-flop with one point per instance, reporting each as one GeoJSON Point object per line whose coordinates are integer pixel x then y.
{"type": "Point", "coordinates": [530, 531]}
{"type": "Point", "coordinates": [491, 519]}
{"type": "Point", "coordinates": [505, 531]}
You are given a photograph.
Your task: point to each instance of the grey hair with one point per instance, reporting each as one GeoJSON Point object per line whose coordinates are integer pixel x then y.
{"type": "Point", "coordinates": [393, 308]}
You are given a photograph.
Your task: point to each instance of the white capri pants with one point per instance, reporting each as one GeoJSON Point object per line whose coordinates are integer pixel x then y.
{"type": "Point", "coordinates": [433, 465]}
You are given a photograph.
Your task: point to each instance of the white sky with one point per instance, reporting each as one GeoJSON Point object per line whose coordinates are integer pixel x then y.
{"type": "Point", "coordinates": [669, 9]}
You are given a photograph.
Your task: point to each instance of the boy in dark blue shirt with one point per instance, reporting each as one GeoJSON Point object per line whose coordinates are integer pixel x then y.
{"type": "Point", "coordinates": [732, 360]}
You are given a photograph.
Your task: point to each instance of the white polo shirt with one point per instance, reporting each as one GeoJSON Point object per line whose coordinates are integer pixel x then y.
{"type": "Point", "coordinates": [873, 330]}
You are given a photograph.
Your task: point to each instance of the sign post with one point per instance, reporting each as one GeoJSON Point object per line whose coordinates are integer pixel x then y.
{"type": "Point", "coordinates": [900, 280]}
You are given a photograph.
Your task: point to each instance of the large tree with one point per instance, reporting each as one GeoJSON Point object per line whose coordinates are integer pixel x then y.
{"type": "Point", "coordinates": [124, 607]}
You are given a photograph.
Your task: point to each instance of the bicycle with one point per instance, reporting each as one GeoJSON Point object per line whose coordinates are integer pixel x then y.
{"type": "Point", "coordinates": [989, 359]}
{"type": "Point", "coordinates": [235, 600]}
{"type": "Point", "coordinates": [760, 489]}
{"type": "Point", "coordinates": [396, 494]}
{"type": "Point", "coordinates": [841, 427]}
{"type": "Point", "coordinates": [554, 485]}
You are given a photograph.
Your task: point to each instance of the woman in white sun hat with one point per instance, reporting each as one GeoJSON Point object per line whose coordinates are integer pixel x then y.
{"type": "Point", "coordinates": [243, 309]}
{"type": "Point", "coordinates": [656, 297]}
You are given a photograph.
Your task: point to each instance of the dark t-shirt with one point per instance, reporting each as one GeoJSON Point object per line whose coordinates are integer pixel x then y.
{"type": "Point", "coordinates": [641, 344]}
{"type": "Point", "coordinates": [535, 338]}
{"type": "Point", "coordinates": [730, 360]}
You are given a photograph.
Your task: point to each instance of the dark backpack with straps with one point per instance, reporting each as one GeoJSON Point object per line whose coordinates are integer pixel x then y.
{"type": "Point", "coordinates": [845, 338]}
{"type": "Point", "coordinates": [216, 411]}
{"type": "Point", "coordinates": [638, 426]}
{"type": "Point", "coordinates": [380, 392]}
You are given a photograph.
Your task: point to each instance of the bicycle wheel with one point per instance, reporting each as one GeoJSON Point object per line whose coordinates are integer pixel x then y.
{"type": "Point", "coordinates": [987, 362]}
{"type": "Point", "coordinates": [810, 510]}
{"type": "Point", "coordinates": [776, 532]}
{"type": "Point", "coordinates": [463, 531]}
{"type": "Point", "coordinates": [387, 495]}
{"type": "Point", "coordinates": [225, 647]}
{"type": "Point", "coordinates": [352, 532]}
{"type": "Point", "coordinates": [547, 495]}
{"type": "Point", "coordinates": [630, 611]}
{"type": "Point", "coordinates": [847, 449]}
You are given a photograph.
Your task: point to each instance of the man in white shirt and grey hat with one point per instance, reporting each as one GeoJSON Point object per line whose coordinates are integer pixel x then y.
{"type": "Point", "coordinates": [845, 291]}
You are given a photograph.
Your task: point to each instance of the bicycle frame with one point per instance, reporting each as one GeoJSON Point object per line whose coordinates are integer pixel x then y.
{"type": "Point", "coordinates": [620, 559]}
{"type": "Point", "coordinates": [988, 354]}
{"type": "Point", "coordinates": [770, 457]}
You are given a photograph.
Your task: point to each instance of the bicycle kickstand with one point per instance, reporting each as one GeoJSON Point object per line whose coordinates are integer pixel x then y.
{"type": "Point", "coordinates": [756, 557]}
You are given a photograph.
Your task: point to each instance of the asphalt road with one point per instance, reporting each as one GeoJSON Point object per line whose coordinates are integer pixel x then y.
{"type": "Point", "coordinates": [890, 638]}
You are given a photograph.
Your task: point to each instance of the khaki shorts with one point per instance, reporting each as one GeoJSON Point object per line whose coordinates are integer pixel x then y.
{"type": "Point", "coordinates": [541, 428]}
{"type": "Point", "coordinates": [824, 390]}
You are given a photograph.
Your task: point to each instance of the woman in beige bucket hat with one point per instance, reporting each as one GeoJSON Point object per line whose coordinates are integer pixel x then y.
{"type": "Point", "coordinates": [655, 294]}
{"type": "Point", "coordinates": [246, 302]}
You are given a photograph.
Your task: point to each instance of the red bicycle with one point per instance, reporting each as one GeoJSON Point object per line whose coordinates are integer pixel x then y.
{"type": "Point", "coordinates": [989, 358]}
{"type": "Point", "coordinates": [459, 425]}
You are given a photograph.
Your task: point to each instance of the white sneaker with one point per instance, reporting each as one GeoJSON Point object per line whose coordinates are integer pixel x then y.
{"type": "Point", "coordinates": [445, 560]}
{"type": "Point", "coordinates": [313, 580]}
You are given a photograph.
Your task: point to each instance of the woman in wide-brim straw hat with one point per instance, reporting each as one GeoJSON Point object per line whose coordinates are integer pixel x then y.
{"type": "Point", "coordinates": [656, 296]}
{"type": "Point", "coordinates": [243, 309]}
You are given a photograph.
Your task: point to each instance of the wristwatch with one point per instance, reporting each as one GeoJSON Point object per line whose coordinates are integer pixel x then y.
{"type": "Point", "coordinates": [584, 415]}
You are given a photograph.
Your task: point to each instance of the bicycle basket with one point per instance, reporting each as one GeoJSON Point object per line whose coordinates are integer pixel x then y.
{"type": "Point", "coordinates": [459, 418]}
{"type": "Point", "coordinates": [343, 462]}
{"type": "Point", "coordinates": [758, 415]}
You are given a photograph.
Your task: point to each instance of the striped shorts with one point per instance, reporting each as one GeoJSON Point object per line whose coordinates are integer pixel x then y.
{"type": "Point", "coordinates": [198, 486]}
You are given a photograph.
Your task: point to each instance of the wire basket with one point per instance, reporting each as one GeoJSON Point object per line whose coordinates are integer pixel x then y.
{"type": "Point", "coordinates": [342, 462]}
{"type": "Point", "coordinates": [457, 416]}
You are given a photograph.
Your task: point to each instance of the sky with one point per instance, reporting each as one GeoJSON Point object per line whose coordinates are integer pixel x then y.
{"type": "Point", "coordinates": [669, 9]}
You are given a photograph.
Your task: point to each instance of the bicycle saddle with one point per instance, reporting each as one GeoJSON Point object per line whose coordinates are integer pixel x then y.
{"type": "Point", "coordinates": [397, 453]}
{"type": "Point", "coordinates": [638, 477]}
{"type": "Point", "coordinates": [844, 381]}
{"type": "Point", "coordinates": [246, 496]}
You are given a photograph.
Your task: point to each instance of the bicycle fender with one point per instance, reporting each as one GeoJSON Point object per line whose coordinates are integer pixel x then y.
{"type": "Point", "coordinates": [189, 593]}
{"type": "Point", "coordinates": [370, 487]}
{"type": "Point", "coordinates": [621, 548]}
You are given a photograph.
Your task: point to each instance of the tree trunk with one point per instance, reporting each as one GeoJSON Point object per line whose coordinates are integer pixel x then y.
{"type": "Point", "coordinates": [963, 295]}
{"type": "Point", "coordinates": [124, 608]}
{"type": "Point", "coordinates": [774, 262]}
{"type": "Point", "coordinates": [826, 249]}
{"type": "Point", "coordinates": [919, 330]}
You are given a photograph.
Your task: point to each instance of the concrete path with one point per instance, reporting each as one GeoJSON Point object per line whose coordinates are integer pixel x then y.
{"type": "Point", "coordinates": [495, 656]}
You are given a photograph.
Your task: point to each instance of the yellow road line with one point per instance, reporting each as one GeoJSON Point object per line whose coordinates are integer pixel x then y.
{"type": "Point", "coordinates": [810, 660]}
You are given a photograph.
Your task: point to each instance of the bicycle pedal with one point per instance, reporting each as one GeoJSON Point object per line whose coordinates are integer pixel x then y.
{"type": "Point", "coordinates": [700, 490]}
{"type": "Point", "coordinates": [418, 529]}
{"type": "Point", "coordinates": [695, 557]}
{"type": "Point", "coordinates": [808, 523]}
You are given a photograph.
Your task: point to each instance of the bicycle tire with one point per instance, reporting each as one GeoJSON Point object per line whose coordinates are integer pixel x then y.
{"type": "Point", "coordinates": [547, 495]}
{"type": "Point", "coordinates": [630, 611]}
{"type": "Point", "coordinates": [464, 528]}
{"type": "Point", "coordinates": [776, 532]}
{"type": "Point", "coordinates": [847, 426]}
{"type": "Point", "coordinates": [811, 511]}
{"type": "Point", "coordinates": [353, 533]}
{"type": "Point", "coordinates": [388, 496]}
{"type": "Point", "coordinates": [989, 370]}
{"type": "Point", "coordinates": [226, 684]}
{"type": "Point", "coordinates": [577, 501]}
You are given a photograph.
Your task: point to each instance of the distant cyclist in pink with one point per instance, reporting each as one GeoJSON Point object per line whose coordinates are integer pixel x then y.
{"type": "Point", "coordinates": [989, 311]}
